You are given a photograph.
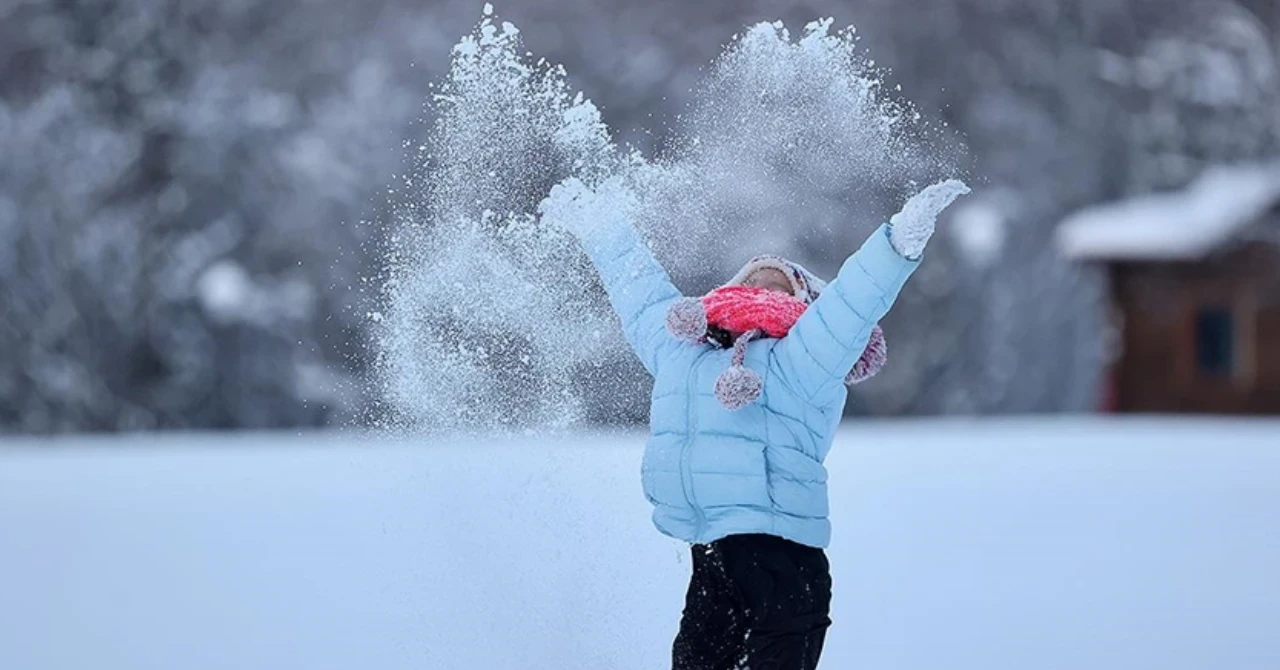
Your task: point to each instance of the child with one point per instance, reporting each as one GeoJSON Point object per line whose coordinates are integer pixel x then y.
{"type": "Point", "coordinates": [742, 419]}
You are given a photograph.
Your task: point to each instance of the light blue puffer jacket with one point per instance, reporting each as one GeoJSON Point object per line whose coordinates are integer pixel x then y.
{"type": "Point", "coordinates": [710, 472]}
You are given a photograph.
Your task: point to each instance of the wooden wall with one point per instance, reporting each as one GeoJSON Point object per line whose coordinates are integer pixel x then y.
{"type": "Point", "coordinates": [1158, 368]}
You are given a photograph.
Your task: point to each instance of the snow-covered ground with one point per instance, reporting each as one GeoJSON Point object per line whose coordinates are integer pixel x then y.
{"type": "Point", "coordinates": [1040, 544]}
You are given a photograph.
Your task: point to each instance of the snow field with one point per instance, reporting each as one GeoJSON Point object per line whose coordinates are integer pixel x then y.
{"type": "Point", "coordinates": [1049, 544]}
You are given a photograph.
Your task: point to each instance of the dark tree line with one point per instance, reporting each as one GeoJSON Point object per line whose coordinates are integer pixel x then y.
{"type": "Point", "coordinates": [189, 190]}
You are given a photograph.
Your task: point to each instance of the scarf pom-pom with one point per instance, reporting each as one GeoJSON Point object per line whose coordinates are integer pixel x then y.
{"type": "Point", "coordinates": [687, 319]}
{"type": "Point", "coordinates": [738, 387]}
{"type": "Point", "coordinates": [873, 358]}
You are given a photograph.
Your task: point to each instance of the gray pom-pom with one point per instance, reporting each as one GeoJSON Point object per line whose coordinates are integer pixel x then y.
{"type": "Point", "coordinates": [738, 387]}
{"type": "Point", "coordinates": [687, 319]}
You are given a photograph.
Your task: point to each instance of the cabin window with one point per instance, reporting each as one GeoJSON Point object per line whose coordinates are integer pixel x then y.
{"type": "Point", "coordinates": [1215, 329]}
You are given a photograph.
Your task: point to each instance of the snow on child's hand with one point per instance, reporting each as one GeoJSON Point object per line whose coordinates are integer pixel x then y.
{"type": "Point", "coordinates": [913, 226]}
{"type": "Point", "coordinates": [579, 209]}
{"type": "Point", "coordinates": [564, 204]}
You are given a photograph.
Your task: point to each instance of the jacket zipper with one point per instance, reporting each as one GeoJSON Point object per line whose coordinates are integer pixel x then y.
{"type": "Point", "coordinates": [686, 472]}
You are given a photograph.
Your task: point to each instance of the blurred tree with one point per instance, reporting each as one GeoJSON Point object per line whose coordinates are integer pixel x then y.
{"type": "Point", "coordinates": [1063, 104]}
{"type": "Point", "coordinates": [183, 182]}
{"type": "Point", "coordinates": [178, 202]}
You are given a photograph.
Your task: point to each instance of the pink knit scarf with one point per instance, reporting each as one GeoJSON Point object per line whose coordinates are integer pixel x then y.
{"type": "Point", "coordinates": [741, 309]}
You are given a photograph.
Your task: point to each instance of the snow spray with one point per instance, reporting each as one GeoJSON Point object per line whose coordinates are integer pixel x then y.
{"type": "Point", "coordinates": [493, 321]}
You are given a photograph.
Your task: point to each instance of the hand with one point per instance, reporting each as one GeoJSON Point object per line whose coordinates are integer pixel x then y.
{"type": "Point", "coordinates": [911, 228]}
{"type": "Point", "coordinates": [579, 209]}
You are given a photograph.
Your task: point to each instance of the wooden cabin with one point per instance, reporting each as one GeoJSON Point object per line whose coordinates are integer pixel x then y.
{"type": "Point", "coordinates": [1195, 293]}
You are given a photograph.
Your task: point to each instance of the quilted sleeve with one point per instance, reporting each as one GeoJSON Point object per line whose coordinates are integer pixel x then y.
{"type": "Point", "coordinates": [639, 289]}
{"type": "Point", "coordinates": [822, 347]}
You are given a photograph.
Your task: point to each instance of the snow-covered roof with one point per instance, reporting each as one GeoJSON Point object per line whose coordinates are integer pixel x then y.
{"type": "Point", "coordinates": [1180, 225]}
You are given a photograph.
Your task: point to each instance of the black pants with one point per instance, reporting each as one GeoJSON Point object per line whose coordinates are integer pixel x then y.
{"type": "Point", "coordinates": [754, 601]}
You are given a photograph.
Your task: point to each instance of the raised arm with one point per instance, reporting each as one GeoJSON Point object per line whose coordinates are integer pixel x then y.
{"type": "Point", "coordinates": [828, 339]}
{"type": "Point", "coordinates": [637, 285]}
